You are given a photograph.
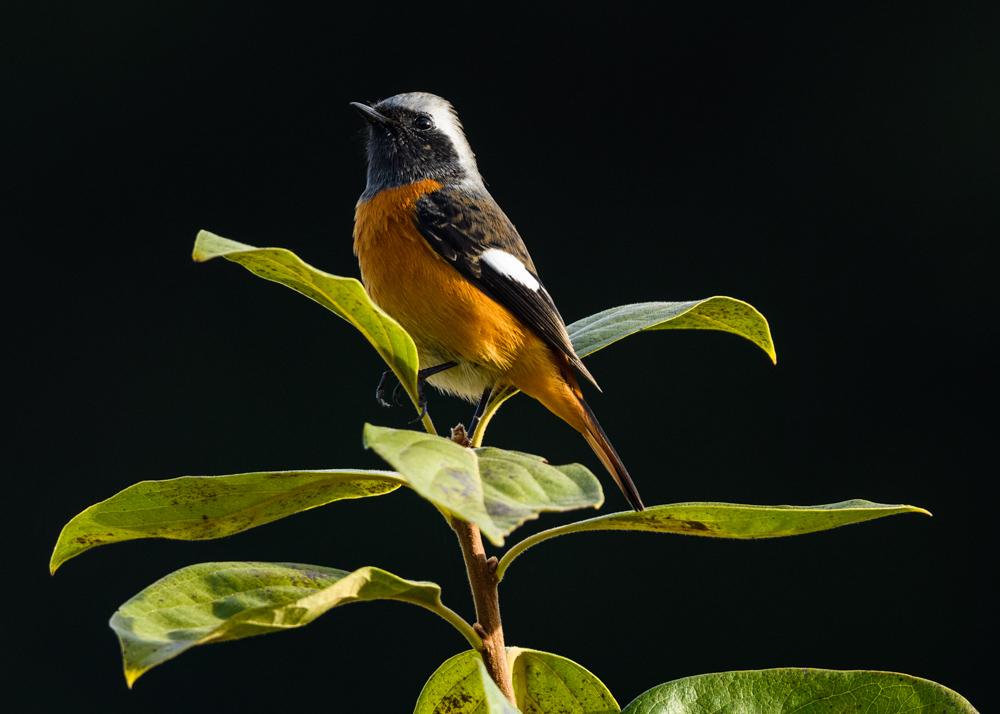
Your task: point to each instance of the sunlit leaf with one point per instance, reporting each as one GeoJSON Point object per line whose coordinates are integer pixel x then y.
{"type": "Point", "coordinates": [203, 507]}
{"type": "Point", "coordinates": [517, 487]}
{"type": "Point", "coordinates": [456, 687]}
{"type": "Point", "coordinates": [496, 490]}
{"type": "Point", "coordinates": [802, 691]}
{"type": "Point", "coordinates": [603, 328]}
{"type": "Point", "coordinates": [723, 520]}
{"type": "Point", "coordinates": [543, 683]}
{"type": "Point", "coordinates": [212, 602]}
{"type": "Point", "coordinates": [345, 297]}
{"type": "Point", "coordinates": [716, 313]}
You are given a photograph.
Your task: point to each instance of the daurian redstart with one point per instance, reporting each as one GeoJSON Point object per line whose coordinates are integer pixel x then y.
{"type": "Point", "coordinates": [438, 254]}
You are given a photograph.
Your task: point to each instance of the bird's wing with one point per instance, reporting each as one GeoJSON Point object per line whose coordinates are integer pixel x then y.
{"type": "Point", "coordinates": [473, 234]}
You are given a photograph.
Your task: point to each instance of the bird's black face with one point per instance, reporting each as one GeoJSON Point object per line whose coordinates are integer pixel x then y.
{"type": "Point", "coordinates": [406, 144]}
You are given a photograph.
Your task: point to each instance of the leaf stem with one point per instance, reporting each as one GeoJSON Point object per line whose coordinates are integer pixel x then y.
{"type": "Point", "coordinates": [509, 556]}
{"type": "Point", "coordinates": [458, 623]}
{"type": "Point", "coordinates": [496, 399]}
{"type": "Point", "coordinates": [483, 580]}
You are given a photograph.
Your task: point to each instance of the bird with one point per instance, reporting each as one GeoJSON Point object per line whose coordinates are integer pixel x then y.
{"type": "Point", "coordinates": [439, 256]}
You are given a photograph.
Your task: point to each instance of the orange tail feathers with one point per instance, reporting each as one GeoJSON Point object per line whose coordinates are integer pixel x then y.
{"type": "Point", "coordinates": [549, 378]}
{"type": "Point", "coordinates": [598, 441]}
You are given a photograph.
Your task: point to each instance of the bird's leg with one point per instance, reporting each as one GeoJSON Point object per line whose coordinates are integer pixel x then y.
{"type": "Point", "coordinates": [480, 410]}
{"type": "Point", "coordinates": [422, 376]}
{"type": "Point", "coordinates": [380, 389]}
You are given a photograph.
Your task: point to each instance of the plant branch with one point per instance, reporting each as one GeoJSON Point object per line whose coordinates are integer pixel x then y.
{"type": "Point", "coordinates": [483, 580]}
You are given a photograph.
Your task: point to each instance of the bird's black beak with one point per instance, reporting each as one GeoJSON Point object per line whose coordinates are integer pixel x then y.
{"type": "Point", "coordinates": [372, 116]}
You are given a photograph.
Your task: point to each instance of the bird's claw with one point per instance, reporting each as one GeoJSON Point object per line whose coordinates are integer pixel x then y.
{"type": "Point", "coordinates": [423, 412]}
{"type": "Point", "coordinates": [421, 398]}
{"type": "Point", "coordinates": [380, 390]}
{"type": "Point", "coordinates": [422, 376]}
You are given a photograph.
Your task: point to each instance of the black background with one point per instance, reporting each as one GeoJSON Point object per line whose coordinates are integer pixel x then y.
{"type": "Point", "coordinates": [835, 168]}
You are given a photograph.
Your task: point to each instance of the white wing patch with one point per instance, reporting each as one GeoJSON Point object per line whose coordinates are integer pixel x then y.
{"type": "Point", "coordinates": [509, 266]}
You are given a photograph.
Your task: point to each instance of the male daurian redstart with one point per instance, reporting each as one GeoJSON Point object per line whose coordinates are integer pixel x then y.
{"type": "Point", "coordinates": [438, 254]}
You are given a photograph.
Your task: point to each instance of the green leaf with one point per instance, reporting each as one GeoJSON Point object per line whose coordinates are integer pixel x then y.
{"type": "Point", "coordinates": [517, 487]}
{"type": "Point", "coordinates": [543, 684]}
{"type": "Point", "coordinates": [203, 507]}
{"type": "Point", "coordinates": [440, 470]}
{"type": "Point", "coordinates": [456, 687]}
{"type": "Point", "coordinates": [494, 489]}
{"type": "Point", "coordinates": [802, 691]}
{"type": "Point", "coordinates": [345, 297]}
{"type": "Point", "coordinates": [723, 520]}
{"type": "Point", "coordinates": [462, 686]}
{"type": "Point", "coordinates": [213, 602]}
{"type": "Point", "coordinates": [600, 330]}
{"type": "Point", "coordinates": [715, 313]}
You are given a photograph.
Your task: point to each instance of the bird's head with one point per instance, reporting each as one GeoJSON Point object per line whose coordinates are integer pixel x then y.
{"type": "Point", "coordinates": [416, 136]}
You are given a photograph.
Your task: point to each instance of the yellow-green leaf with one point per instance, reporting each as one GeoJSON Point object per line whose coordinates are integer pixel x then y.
{"type": "Point", "coordinates": [802, 691]}
{"type": "Point", "coordinates": [345, 297]}
{"type": "Point", "coordinates": [213, 602]}
{"type": "Point", "coordinates": [723, 520]}
{"type": "Point", "coordinates": [517, 487]}
{"type": "Point", "coordinates": [715, 313]}
{"type": "Point", "coordinates": [543, 683]}
{"type": "Point", "coordinates": [455, 687]}
{"type": "Point", "coordinates": [203, 507]}
{"type": "Point", "coordinates": [604, 328]}
{"type": "Point", "coordinates": [496, 490]}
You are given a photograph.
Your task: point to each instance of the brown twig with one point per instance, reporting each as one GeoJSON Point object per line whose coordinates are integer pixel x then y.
{"type": "Point", "coordinates": [483, 580]}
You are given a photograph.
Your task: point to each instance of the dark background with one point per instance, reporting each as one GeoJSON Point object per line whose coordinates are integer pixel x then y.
{"type": "Point", "coordinates": [835, 168]}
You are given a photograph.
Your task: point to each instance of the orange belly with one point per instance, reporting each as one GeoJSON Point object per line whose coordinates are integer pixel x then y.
{"type": "Point", "coordinates": [448, 317]}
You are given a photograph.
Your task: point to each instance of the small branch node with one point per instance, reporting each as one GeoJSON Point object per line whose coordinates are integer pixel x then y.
{"type": "Point", "coordinates": [480, 630]}
{"type": "Point", "coordinates": [460, 437]}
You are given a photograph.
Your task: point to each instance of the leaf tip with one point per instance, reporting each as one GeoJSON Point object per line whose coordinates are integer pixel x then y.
{"type": "Point", "coordinates": [131, 675]}
{"type": "Point", "coordinates": [208, 245]}
{"type": "Point", "coordinates": [56, 560]}
{"type": "Point", "coordinates": [364, 435]}
{"type": "Point", "coordinates": [200, 253]}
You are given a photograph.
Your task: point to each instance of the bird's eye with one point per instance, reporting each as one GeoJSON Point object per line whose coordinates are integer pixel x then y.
{"type": "Point", "coordinates": [423, 123]}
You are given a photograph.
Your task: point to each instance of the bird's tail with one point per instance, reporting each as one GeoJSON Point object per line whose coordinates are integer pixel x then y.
{"type": "Point", "coordinates": [549, 378]}
{"type": "Point", "coordinates": [598, 441]}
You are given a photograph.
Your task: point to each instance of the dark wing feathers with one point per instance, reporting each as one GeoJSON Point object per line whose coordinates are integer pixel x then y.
{"type": "Point", "coordinates": [459, 227]}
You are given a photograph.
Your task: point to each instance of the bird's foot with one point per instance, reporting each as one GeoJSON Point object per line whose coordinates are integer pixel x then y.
{"type": "Point", "coordinates": [422, 376]}
{"type": "Point", "coordinates": [380, 390]}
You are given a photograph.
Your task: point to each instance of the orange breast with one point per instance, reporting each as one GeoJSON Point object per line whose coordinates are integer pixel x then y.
{"type": "Point", "coordinates": [448, 317]}
{"type": "Point", "coordinates": [441, 310]}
